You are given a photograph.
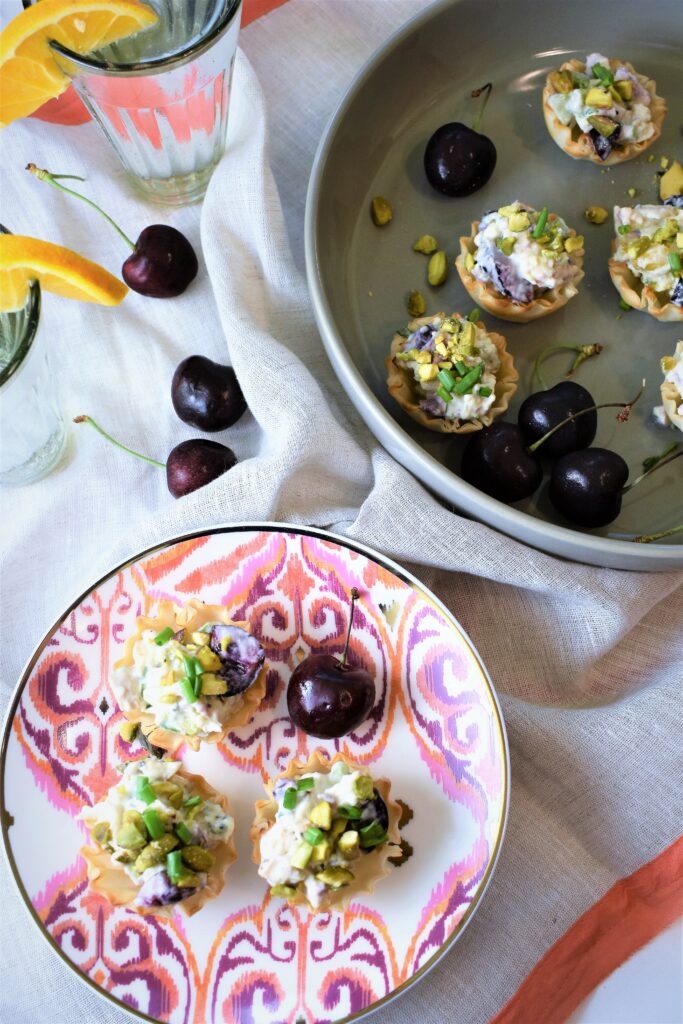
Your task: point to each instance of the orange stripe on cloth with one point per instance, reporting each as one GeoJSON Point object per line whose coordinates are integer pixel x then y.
{"type": "Point", "coordinates": [254, 9]}
{"type": "Point", "coordinates": [630, 914]}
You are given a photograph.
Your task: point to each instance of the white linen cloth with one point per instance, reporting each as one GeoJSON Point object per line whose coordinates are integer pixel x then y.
{"type": "Point", "coordinates": [588, 662]}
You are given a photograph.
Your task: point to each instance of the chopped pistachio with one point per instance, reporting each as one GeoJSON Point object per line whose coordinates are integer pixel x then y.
{"type": "Point", "coordinates": [561, 81]}
{"type": "Point", "coordinates": [426, 244]}
{"type": "Point", "coordinates": [506, 245]}
{"type": "Point", "coordinates": [597, 97]}
{"type": "Point", "coordinates": [596, 214]}
{"type": "Point", "coordinates": [469, 261]}
{"type": "Point", "coordinates": [573, 243]}
{"type": "Point", "coordinates": [519, 221]}
{"type": "Point", "coordinates": [671, 183]}
{"type": "Point", "coordinates": [321, 851]}
{"type": "Point", "coordinates": [285, 892]}
{"type": "Point", "coordinates": [450, 325]}
{"type": "Point", "coordinates": [421, 356]}
{"type": "Point", "coordinates": [168, 698]}
{"type": "Point", "coordinates": [632, 192]}
{"type": "Point", "coordinates": [364, 787]}
{"type": "Point", "coordinates": [381, 211]}
{"type": "Point", "coordinates": [101, 833]}
{"type": "Point", "coordinates": [437, 269]}
{"type": "Point", "coordinates": [416, 304]}
{"type": "Point", "coordinates": [679, 240]}
{"type": "Point", "coordinates": [127, 731]}
{"type": "Point", "coordinates": [651, 158]}
{"type": "Point", "coordinates": [335, 878]}
{"type": "Point", "coordinates": [406, 357]}
{"type": "Point", "coordinates": [198, 858]}
{"type": "Point", "coordinates": [429, 372]}
{"type": "Point", "coordinates": [349, 844]}
{"type": "Point", "coordinates": [508, 211]}
{"type": "Point", "coordinates": [604, 125]}
{"type": "Point", "coordinates": [321, 815]}
{"type": "Point", "coordinates": [664, 162]}
{"type": "Point", "coordinates": [625, 89]}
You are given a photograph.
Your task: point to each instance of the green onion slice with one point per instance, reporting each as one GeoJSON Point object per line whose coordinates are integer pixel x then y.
{"type": "Point", "coordinates": [603, 74]}
{"type": "Point", "coordinates": [624, 305]}
{"type": "Point", "coordinates": [308, 783]}
{"type": "Point", "coordinates": [540, 223]}
{"type": "Point", "coordinates": [289, 799]}
{"type": "Point", "coordinates": [446, 396]}
{"type": "Point", "coordinates": [143, 790]}
{"type": "Point", "coordinates": [447, 379]}
{"type": "Point", "coordinates": [163, 637]}
{"type": "Point", "coordinates": [623, 229]}
{"type": "Point", "coordinates": [469, 380]}
{"type": "Point", "coordinates": [186, 685]}
{"type": "Point", "coordinates": [313, 836]}
{"type": "Point", "coordinates": [348, 811]}
{"type": "Point", "coordinates": [183, 833]}
{"type": "Point", "coordinates": [153, 824]}
{"type": "Point", "coordinates": [461, 367]}
{"type": "Point", "coordinates": [474, 316]}
{"type": "Point", "coordinates": [174, 865]}
{"type": "Point", "coordinates": [484, 392]}
{"type": "Point", "coordinates": [674, 261]}
{"type": "Point", "coordinates": [192, 801]}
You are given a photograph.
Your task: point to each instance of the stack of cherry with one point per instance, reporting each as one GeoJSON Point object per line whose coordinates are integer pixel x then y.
{"type": "Point", "coordinates": [205, 394]}
{"type": "Point", "coordinates": [586, 484]}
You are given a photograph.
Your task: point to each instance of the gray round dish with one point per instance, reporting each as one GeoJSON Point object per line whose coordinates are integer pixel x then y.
{"type": "Point", "coordinates": [359, 275]}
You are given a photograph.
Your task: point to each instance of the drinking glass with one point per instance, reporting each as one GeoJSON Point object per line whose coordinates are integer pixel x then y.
{"type": "Point", "coordinates": [161, 97]}
{"type": "Point", "coordinates": [32, 432]}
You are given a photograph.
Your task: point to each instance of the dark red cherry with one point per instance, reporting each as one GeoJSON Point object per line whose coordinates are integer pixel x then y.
{"type": "Point", "coordinates": [327, 697]}
{"type": "Point", "coordinates": [327, 700]}
{"type": "Point", "coordinates": [458, 160]}
{"type": "Point", "coordinates": [192, 464]}
{"type": "Point", "coordinates": [162, 264]}
{"type": "Point", "coordinates": [496, 461]}
{"type": "Point", "coordinates": [543, 410]}
{"type": "Point", "coordinates": [206, 394]}
{"type": "Point", "coordinates": [586, 487]}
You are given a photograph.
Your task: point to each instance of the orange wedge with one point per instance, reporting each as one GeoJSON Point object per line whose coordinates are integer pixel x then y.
{"type": "Point", "coordinates": [58, 270]}
{"type": "Point", "coordinates": [29, 73]}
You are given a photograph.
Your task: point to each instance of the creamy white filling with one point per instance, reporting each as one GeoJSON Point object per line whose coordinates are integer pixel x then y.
{"type": "Point", "coordinates": [278, 844]}
{"type": "Point", "coordinates": [530, 260]}
{"type": "Point", "coordinates": [674, 375]}
{"type": "Point", "coordinates": [472, 405]}
{"type": "Point", "coordinates": [145, 685]}
{"type": "Point", "coordinates": [651, 266]}
{"type": "Point", "coordinates": [209, 824]}
{"type": "Point", "coordinates": [634, 117]}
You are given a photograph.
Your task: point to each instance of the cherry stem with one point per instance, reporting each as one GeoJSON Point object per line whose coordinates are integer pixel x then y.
{"type": "Point", "coordinates": [54, 179]}
{"type": "Point", "coordinates": [651, 469]}
{"type": "Point", "coordinates": [98, 428]}
{"type": "Point", "coordinates": [647, 538]}
{"type": "Point", "coordinates": [622, 417]}
{"type": "Point", "coordinates": [354, 597]}
{"type": "Point", "coordinates": [583, 352]}
{"type": "Point", "coordinates": [475, 93]}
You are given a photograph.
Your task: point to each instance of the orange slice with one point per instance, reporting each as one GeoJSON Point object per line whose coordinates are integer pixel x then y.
{"type": "Point", "coordinates": [29, 73]}
{"type": "Point", "coordinates": [58, 270]}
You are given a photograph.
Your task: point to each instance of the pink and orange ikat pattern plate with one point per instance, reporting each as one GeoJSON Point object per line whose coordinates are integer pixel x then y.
{"type": "Point", "coordinates": [436, 731]}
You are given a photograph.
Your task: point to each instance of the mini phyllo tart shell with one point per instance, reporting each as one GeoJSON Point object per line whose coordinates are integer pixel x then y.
{"type": "Point", "coordinates": [402, 385]}
{"type": "Point", "coordinates": [578, 144]}
{"type": "Point", "coordinates": [486, 295]}
{"type": "Point", "coordinates": [190, 617]}
{"type": "Point", "coordinates": [638, 295]}
{"type": "Point", "coordinates": [110, 880]}
{"type": "Point", "coordinates": [368, 868]}
{"type": "Point", "coordinates": [672, 396]}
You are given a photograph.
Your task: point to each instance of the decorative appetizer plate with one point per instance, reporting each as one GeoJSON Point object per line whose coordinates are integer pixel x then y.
{"type": "Point", "coordinates": [436, 732]}
{"type": "Point", "coordinates": [360, 275]}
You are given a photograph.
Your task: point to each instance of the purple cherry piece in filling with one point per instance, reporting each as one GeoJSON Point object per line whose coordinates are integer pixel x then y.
{"type": "Point", "coordinates": [241, 660]}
